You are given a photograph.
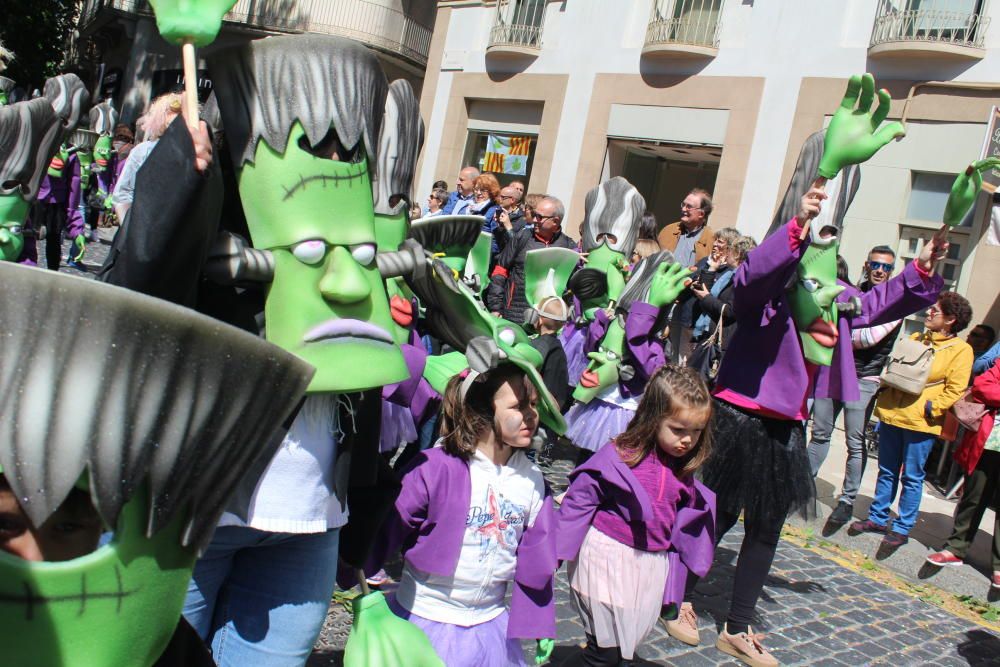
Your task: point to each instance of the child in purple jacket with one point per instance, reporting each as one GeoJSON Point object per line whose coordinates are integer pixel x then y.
{"type": "Point", "coordinates": [634, 520]}
{"type": "Point", "coordinates": [473, 516]}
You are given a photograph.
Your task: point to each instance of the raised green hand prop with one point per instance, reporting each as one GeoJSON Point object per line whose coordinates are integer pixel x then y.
{"type": "Point", "coordinates": [668, 283]}
{"type": "Point", "coordinates": [544, 651]}
{"type": "Point", "coordinates": [190, 23]}
{"type": "Point", "coordinates": [379, 638]}
{"type": "Point", "coordinates": [854, 134]}
{"type": "Point", "coordinates": [965, 189]}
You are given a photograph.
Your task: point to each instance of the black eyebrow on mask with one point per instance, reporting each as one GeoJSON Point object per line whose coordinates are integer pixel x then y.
{"type": "Point", "coordinates": [31, 599]}
{"type": "Point", "coordinates": [324, 179]}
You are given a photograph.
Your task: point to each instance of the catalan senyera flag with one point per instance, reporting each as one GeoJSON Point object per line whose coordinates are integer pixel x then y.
{"type": "Point", "coordinates": [507, 155]}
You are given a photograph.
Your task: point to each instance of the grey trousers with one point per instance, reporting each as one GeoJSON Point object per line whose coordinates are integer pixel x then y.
{"type": "Point", "coordinates": [825, 411]}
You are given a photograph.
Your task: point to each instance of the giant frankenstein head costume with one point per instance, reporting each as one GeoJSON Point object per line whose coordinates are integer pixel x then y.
{"type": "Point", "coordinates": [613, 212]}
{"type": "Point", "coordinates": [812, 292]}
{"type": "Point", "coordinates": [302, 117]}
{"type": "Point", "coordinates": [159, 422]}
{"type": "Point", "coordinates": [103, 118]}
{"type": "Point", "coordinates": [29, 134]}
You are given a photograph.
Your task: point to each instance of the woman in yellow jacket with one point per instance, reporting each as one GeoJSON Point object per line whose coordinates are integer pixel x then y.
{"type": "Point", "coordinates": [911, 423]}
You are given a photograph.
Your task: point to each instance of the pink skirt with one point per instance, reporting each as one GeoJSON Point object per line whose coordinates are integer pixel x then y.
{"type": "Point", "coordinates": [617, 590]}
{"type": "Point", "coordinates": [591, 425]}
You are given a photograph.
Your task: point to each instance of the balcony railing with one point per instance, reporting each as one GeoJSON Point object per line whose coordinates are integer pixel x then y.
{"type": "Point", "coordinates": [964, 31]}
{"type": "Point", "coordinates": [517, 26]}
{"type": "Point", "coordinates": [690, 26]}
{"type": "Point", "coordinates": [379, 26]}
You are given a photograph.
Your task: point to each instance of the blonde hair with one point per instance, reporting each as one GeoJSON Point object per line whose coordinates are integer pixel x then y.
{"type": "Point", "coordinates": [159, 115]}
{"type": "Point", "coordinates": [645, 247]}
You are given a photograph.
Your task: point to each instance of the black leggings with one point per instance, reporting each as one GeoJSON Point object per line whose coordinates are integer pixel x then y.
{"type": "Point", "coordinates": [595, 656]}
{"type": "Point", "coordinates": [53, 218]}
{"type": "Point", "coordinates": [752, 567]}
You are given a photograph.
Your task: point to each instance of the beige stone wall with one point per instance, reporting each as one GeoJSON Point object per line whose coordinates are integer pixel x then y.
{"type": "Point", "coordinates": [739, 95]}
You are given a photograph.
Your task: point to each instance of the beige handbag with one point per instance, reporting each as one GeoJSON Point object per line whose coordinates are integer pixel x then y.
{"type": "Point", "coordinates": [909, 366]}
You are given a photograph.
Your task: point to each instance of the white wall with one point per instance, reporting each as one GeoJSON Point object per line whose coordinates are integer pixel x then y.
{"type": "Point", "coordinates": [780, 41]}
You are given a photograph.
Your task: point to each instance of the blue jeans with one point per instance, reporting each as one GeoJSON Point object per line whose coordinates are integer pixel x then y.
{"type": "Point", "coordinates": [825, 411]}
{"type": "Point", "coordinates": [259, 598]}
{"type": "Point", "coordinates": [899, 447]}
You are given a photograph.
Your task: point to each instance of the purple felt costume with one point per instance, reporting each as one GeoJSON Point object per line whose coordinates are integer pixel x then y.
{"type": "Point", "coordinates": [74, 216]}
{"type": "Point", "coordinates": [764, 360]}
{"type": "Point", "coordinates": [605, 484]}
{"type": "Point", "coordinates": [428, 523]}
{"type": "Point", "coordinates": [590, 425]}
{"type": "Point", "coordinates": [407, 405]}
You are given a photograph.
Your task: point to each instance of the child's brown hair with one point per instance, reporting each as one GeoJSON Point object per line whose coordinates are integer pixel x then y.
{"type": "Point", "coordinates": [671, 388]}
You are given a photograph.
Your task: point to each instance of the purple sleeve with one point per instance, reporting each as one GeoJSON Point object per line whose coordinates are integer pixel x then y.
{"type": "Point", "coordinates": [576, 513]}
{"type": "Point", "coordinates": [897, 298]}
{"type": "Point", "coordinates": [692, 542]}
{"type": "Point", "coordinates": [595, 332]}
{"type": "Point", "coordinates": [645, 349]}
{"type": "Point", "coordinates": [532, 600]}
{"type": "Point", "coordinates": [74, 218]}
{"type": "Point", "coordinates": [765, 272]}
{"type": "Point", "coordinates": [414, 393]}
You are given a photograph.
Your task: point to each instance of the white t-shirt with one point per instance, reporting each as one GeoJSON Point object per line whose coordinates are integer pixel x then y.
{"type": "Point", "coordinates": [296, 492]}
{"type": "Point", "coordinates": [505, 499]}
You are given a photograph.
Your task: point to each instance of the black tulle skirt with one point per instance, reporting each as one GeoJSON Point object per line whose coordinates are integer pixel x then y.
{"type": "Point", "coordinates": [759, 466]}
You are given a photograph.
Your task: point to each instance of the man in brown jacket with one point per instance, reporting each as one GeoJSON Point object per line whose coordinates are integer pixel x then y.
{"type": "Point", "coordinates": [690, 239]}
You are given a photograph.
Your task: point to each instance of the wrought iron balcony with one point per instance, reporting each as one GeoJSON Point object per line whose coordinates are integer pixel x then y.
{"type": "Point", "coordinates": [517, 28]}
{"type": "Point", "coordinates": [903, 32]}
{"type": "Point", "coordinates": [687, 28]}
{"type": "Point", "coordinates": [380, 27]}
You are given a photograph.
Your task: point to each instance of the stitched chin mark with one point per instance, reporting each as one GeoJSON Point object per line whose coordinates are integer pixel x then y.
{"type": "Point", "coordinates": [324, 180]}
{"type": "Point", "coordinates": [31, 600]}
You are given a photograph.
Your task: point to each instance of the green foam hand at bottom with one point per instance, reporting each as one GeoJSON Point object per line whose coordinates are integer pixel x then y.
{"type": "Point", "coordinates": [379, 638]}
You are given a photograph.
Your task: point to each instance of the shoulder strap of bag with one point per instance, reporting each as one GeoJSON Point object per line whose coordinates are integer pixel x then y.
{"type": "Point", "coordinates": [716, 337]}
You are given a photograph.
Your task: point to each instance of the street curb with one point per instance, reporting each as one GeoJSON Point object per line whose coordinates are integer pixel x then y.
{"type": "Point", "coordinates": [908, 561]}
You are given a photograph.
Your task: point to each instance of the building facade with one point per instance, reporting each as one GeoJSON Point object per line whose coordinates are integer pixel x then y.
{"type": "Point", "coordinates": [721, 94]}
{"type": "Point", "coordinates": [133, 64]}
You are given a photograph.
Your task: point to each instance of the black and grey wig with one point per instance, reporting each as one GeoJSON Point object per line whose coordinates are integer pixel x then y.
{"type": "Point", "coordinates": [170, 401]}
{"type": "Point", "coordinates": [103, 118]}
{"type": "Point", "coordinates": [30, 133]}
{"type": "Point", "coordinates": [266, 85]}
{"type": "Point", "coordinates": [398, 148]}
{"type": "Point", "coordinates": [637, 287]}
{"type": "Point", "coordinates": [840, 190]}
{"type": "Point", "coordinates": [613, 213]}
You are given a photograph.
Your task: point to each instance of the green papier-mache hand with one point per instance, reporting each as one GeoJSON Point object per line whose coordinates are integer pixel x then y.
{"type": "Point", "coordinates": [79, 247]}
{"type": "Point", "coordinates": [854, 134]}
{"type": "Point", "coordinates": [544, 651]}
{"type": "Point", "coordinates": [195, 21]}
{"type": "Point", "coordinates": [379, 638]}
{"type": "Point", "coordinates": [965, 189]}
{"type": "Point", "coordinates": [667, 284]}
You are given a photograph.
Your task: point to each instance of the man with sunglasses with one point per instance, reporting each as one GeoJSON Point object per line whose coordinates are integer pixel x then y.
{"type": "Point", "coordinates": [871, 351]}
{"type": "Point", "coordinates": [505, 296]}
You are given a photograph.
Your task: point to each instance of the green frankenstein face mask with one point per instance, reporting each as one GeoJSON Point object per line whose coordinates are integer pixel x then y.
{"type": "Point", "coordinates": [327, 303]}
{"type": "Point", "coordinates": [59, 161]}
{"type": "Point", "coordinates": [605, 366]}
{"type": "Point", "coordinates": [812, 299]}
{"type": "Point", "coordinates": [13, 211]}
{"type": "Point", "coordinates": [102, 153]}
{"type": "Point", "coordinates": [178, 408]}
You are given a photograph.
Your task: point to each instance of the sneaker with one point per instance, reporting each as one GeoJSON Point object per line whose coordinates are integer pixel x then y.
{"type": "Point", "coordinates": [380, 578]}
{"type": "Point", "coordinates": [841, 514]}
{"type": "Point", "coordinates": [944, 558]}
{"type": "Point", "coordinates": [685, 627]}
{"type": "Point", "coordinates": [894, 540]}
{"type": "Point", "coordinates": [996, 579]}
{"type": "Point", "coordinates": [746, 647]}
{"type": "Point", "coordinates": [867, 526]}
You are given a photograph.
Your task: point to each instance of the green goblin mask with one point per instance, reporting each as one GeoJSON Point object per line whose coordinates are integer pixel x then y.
{"type": "Point", "coordinates": [606, 365]}
{"type": "Point", "coordinates": [169, 413]}
{"type": "Point", "coordinates": [13, 211]}
{"type": "Point", "coordinates": [327, 303]}
{"type": "Point", "coordinates": [102, 153]}
{"type": "Point", "coordinates": [59, 161]}
{"type": "Point", "coordinates": [813, 302]}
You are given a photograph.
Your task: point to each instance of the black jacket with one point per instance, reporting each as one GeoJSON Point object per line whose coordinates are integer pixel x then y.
{"type": "Point", "coordinates": [869, 361]}
{"type": "Point", "coordinates": [712, 305]}
{"type": "Point", "coordinates": [505, 294]}
{"type": "Point", "coordinates": [554, 368]}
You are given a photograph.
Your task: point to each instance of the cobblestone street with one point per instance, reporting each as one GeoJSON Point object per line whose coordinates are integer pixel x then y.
{"type": "Point", "coordinates": [813, 610]}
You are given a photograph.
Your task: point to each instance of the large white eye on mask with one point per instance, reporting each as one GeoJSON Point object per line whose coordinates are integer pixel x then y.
{"type": "Point", "coordinates": [364, 254]}
{"type": "Point", "coordinates": [309, 252]}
